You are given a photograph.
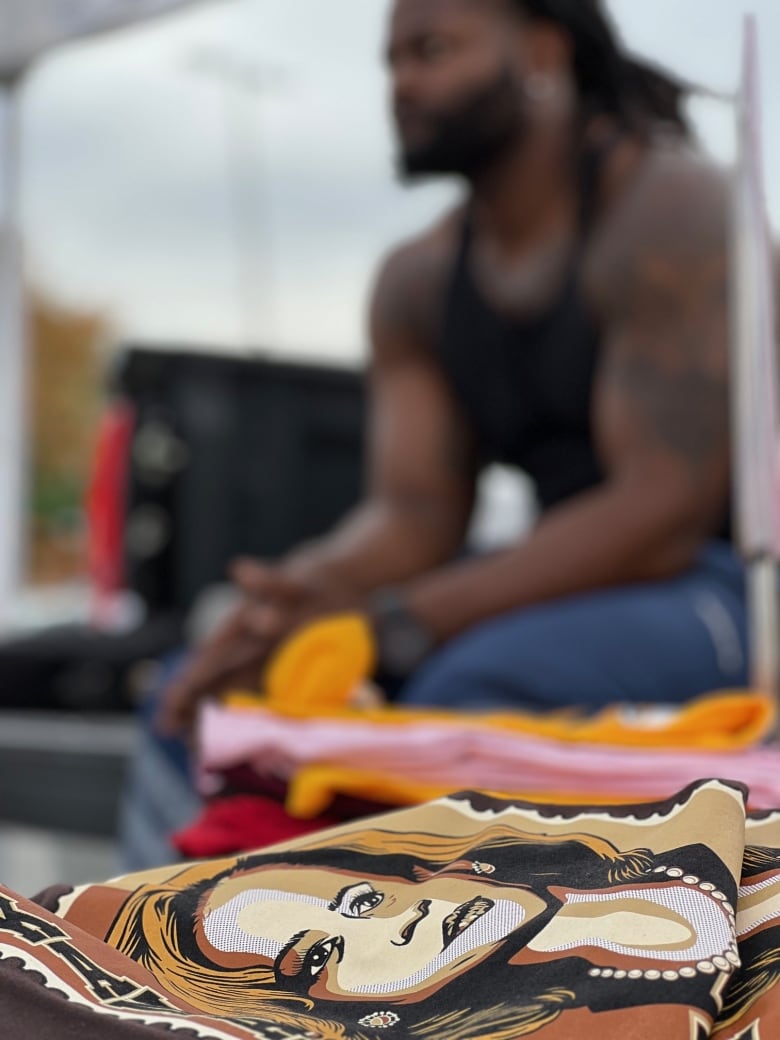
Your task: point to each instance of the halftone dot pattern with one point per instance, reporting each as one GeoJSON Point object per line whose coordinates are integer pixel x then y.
{"type": "Point", "coordinates": [222, 930]}
{"type": "Point", "coordinates": [500, 921]}
{"type": "Point", "coordinates": [710, 922]}
{"type": "Point", "coordinates": [750, 890]}
{"type": "Point", "coordinates": [772, 914]}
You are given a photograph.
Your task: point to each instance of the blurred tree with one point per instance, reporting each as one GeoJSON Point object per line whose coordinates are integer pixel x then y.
{"type": "Point", "coordinates": [66, 370]}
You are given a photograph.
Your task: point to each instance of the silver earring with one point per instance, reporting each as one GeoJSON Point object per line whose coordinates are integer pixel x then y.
{"type": "Point", "coordinates": [540, 88]}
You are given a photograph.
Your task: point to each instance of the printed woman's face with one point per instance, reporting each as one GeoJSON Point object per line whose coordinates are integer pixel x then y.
{"type": "Point", "coordinates": [340, 935]}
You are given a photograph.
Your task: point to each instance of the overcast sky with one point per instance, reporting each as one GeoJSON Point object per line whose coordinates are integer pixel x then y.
{"type": "Point", "coordinates": [194, 211]}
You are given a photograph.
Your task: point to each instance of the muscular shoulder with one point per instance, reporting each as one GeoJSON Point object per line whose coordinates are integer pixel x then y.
{"type": "Point", "coordinates": [667, 227]}
{"type": "Point", "coordinates": [411, 285]}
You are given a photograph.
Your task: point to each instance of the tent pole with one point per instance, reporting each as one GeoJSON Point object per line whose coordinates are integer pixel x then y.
{"type": "Point", "coordinates": [755, 388]}
{"type": "Point", "coordinates": [764, 628]}
{"type": "Point", "coordinates": [13, 360]}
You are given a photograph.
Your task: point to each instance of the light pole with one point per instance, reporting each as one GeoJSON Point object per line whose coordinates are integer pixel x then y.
{"type": "Point", "coordinates": [242, 82]}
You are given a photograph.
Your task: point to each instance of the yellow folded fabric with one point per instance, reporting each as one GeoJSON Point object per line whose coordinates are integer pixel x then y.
{"type": "Point", "coordinates": [313, 789]}
{"type": "Point", "coordinates": [723, 721]}
{"type": "Point", "coordinates": [319, 670]}
{"type": "Point", "coordinates": [321, 666]}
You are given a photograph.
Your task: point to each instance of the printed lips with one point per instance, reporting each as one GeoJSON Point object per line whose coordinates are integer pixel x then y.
{"type": "Point", "coordinates": [463, 917]}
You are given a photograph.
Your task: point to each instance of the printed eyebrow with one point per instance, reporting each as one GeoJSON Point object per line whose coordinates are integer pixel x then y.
{"type": "Point", "coordinates": [284, 953]}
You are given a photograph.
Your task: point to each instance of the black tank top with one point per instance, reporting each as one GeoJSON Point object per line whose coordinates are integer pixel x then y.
{"type": "Point", "coordinates": [526, 385]}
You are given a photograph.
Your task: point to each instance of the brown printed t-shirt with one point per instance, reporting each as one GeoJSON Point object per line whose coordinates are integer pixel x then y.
{"type": "Point", "coordinates": [468, 918]}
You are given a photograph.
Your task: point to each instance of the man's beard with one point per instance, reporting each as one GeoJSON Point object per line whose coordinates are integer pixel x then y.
{"type": "Point", "coordinates": [470, 135]}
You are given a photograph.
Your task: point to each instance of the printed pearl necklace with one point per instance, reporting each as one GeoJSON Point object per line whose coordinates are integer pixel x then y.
{"type": "Point", "coordinates": [726, 962]}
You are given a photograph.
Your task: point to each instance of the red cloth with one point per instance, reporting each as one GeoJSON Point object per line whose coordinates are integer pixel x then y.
{"type": "Point", "coordinates": [106, 504]}
{"type": "Point", "coordinates": [239, 822]}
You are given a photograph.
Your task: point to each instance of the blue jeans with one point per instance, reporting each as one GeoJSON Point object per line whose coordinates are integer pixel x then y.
{"type": "Point", "coordinates": [662, 642]}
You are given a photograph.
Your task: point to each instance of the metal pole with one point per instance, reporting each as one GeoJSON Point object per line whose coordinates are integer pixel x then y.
{"type": "Point", "coordinates": [241, 213]}
{"type": "Point", "coordinates": [764, 629]}
{"type": "Point", "coordinates": [13, 361]}
{"type": "Point", "coordinates": [242, 83]}
{"type": "Point", "coordinates": [756, 426]}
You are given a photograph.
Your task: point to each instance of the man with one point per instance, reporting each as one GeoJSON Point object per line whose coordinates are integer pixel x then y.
{"type": "Point", "coordinates": [570, 317]}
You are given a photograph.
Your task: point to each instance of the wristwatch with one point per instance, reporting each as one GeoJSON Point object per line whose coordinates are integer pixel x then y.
{"type": "Point", "coordinates": [403, 641]}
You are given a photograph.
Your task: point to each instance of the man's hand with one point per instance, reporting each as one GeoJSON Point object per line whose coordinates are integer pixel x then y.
{"type": "Point", "coordinates": [274, 604]}
{"type": "Point", "coordinates": [231, 657]}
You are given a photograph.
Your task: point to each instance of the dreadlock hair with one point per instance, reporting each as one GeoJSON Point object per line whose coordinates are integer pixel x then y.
{"type": "Point", "coordinates": [610, 80]}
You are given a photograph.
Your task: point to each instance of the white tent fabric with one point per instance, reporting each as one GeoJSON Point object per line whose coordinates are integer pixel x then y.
{"type": "Point", "coordinates": [29, 28]}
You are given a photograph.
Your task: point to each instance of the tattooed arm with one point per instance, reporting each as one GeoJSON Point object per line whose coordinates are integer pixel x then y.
{"type": "Point", "coordinates": [658, 280]}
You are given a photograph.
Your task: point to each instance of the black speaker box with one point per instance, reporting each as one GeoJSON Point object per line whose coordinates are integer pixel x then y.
{"type": "Point", "coordinates": [232, 456]}
{"type": "Point", "coordinates": [228, 457]}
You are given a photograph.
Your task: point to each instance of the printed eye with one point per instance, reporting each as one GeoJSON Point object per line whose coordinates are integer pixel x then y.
{"type": "Point", "coordinates": [361, 900]}
{"type": "Point", "coordinates": [357, 900]}
{"type": "Point", "coordinates": [319, 955]}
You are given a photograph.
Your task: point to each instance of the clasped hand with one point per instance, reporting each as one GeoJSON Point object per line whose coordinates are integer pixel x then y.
{"type": "Point", "coordinates": [274, 603]}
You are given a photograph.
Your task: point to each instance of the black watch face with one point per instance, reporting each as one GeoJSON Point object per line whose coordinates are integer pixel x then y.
{"type": "Point", "coordinates": [404, 645]}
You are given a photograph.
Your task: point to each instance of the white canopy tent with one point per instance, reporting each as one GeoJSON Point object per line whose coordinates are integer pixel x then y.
{"type": "Point", "coordinates": [29, 29]}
